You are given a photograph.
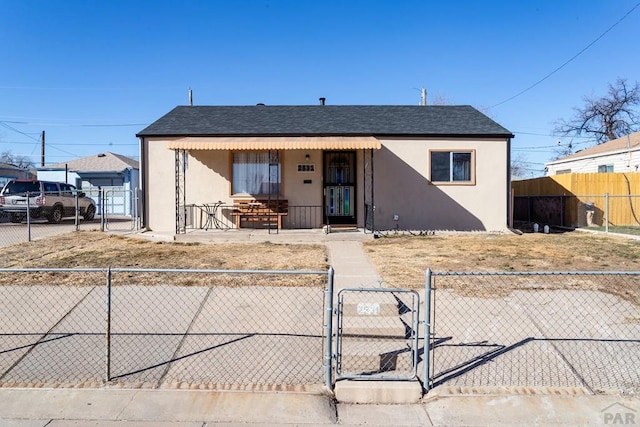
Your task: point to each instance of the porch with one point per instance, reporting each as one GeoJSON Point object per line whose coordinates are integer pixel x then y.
{"type": "Point", "coordinates": [293, 183]}
{"type": "Point", "coordinates": [221, 217]}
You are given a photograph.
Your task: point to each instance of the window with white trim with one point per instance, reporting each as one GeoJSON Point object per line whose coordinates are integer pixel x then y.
{"type": "Point", "coordinates": [456, 167]}
{"type": "Point", "coordinates": [256, 173]}
{"type": "Point", "coordinates": [605, 168]}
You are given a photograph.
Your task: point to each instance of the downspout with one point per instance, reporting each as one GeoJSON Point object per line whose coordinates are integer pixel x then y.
{"type": "Point", "coordinates": [142, 188]}
{"type": "Point", "coordinates": [509, 198]}
{"type": "Point", "coordinates": [373, 204]}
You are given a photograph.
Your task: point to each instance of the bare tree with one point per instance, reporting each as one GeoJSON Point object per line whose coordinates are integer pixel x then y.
{"type": "Point", "coordinates": [606, 118]}
{"type": "Point", "coordinates": [518, 168]}
{"type": "Point", "coordinates": [563, 150]}
{"type": "Point", "coordinates": [440, 99]}
{"type": "Point", "coordinates": [16, 160]}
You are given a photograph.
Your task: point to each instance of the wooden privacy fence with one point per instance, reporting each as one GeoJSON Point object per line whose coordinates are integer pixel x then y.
{"type": "Point", "coordinates": [579, 200]}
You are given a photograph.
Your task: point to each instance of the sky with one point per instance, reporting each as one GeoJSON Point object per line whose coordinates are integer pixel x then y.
{"type": "Point", "coordinates": [91, 74]}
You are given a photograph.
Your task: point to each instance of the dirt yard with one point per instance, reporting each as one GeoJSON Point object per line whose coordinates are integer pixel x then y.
{"type": "Point", "coordinates": [571, 251]}
{"type": "Point", "coordinates": [95, 249]}
{"type": "Point", "coordinates": [400, 260]}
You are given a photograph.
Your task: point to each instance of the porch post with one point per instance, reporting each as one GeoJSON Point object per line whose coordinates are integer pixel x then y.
{"type": "Point", "coordinates": [373, 204]}
{"type": "Point", "coordinates": [368, 196]}
{"type": "Point", "coordinates": [181, 202]}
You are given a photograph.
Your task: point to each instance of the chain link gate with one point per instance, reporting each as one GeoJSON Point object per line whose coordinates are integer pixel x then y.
{"type": "Point", "coordinates": [120, 209]}
{"type": "Point", "coordinates": [377, 334]}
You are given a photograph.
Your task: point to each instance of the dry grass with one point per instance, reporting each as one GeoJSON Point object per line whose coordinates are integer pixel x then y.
{"type": "Point", "coordinates": [401, 261]}
{"type": "Point", "coordinates": [95, 249]}
{"type": "Point", "coordinates": [406, 258]}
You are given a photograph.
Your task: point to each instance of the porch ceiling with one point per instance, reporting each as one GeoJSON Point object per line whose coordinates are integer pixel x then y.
{"type": "Point", "coordinates": [275, 143]}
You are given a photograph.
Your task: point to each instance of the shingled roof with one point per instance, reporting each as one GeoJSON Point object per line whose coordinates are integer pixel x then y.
{"type": "Point", "coordinates": [9, 166]}
{"type": "Point", "coordinates": [325, 120]}
{"type": "Point", "coordinates": [625, 143]}
{"type": "Point", "coordinates": [103, 162]}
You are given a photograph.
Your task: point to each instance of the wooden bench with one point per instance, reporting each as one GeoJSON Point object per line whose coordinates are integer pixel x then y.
{"type": "Point", "coordinates": [261, 211]}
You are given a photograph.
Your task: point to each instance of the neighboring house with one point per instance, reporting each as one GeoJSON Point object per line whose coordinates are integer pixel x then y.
{"type": "Point", "coordinates": [617, 155]}
{"type": "Point", "coordinates": [379, 167]}
{"type": "Point", "coordinates": [115, 174]}
{"type": "Point", "coordinates": [9, 172]}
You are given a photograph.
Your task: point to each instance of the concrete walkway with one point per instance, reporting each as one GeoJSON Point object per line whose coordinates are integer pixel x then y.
{"type": "Point", "coordinates": [106, 407]}
{"type": "Point", "coordinates": [353, 268]}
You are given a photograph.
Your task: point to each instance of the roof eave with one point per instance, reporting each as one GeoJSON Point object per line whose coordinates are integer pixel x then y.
{"type": "Point", "coordinates": [376, 135]}
{"type": "Point", "coordinates": [594, 156]}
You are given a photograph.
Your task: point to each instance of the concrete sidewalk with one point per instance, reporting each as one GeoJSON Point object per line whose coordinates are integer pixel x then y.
{"type": "Point", "coordinates": [191, 408]}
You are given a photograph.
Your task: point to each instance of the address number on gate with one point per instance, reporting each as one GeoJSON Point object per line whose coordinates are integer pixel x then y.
{"type": "Point", "coordinates": [368, 309]}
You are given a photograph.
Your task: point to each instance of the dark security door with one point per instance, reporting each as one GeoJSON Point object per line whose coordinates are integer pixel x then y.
{"type": "Point", "coordinates": [340, 187]}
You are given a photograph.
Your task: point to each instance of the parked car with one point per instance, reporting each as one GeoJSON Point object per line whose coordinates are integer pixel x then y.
{"type": "Point", "coordinates": [46, 199]}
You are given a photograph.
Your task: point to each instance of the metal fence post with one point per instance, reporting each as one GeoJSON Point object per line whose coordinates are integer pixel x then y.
{"type": "Point", "coordinates": [606, 212]}
{"type": "Point", "coordinates": [328, 330]}
{"type": "Point", "coordinates": [28, 217]}
{"type": "Point", "coordinates": [101, 198]}
{"type": "Point", "coordinates": [108, 329]}
{"type": "Point", "coordinates": [135, 208]}
{"type": "Point", "coordinates": [77, 209]}
{"type": "Point", "coordinates": [427, 332]}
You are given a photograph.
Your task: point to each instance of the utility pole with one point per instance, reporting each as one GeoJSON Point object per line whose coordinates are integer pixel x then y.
{"type": "Point", "coordinates": [42, 152]}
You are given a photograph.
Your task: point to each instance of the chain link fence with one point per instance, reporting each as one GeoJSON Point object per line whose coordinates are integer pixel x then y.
{"type": "Point", "coordinates": [163, 328]}
{"type": "Point", "coordinates": [570, 329]}
{"type": "Point", "coordinates": [269, 330]}
{"type": "Point", "coordinates": [114, 210]}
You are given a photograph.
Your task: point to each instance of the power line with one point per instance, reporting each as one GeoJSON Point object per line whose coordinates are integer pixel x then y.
{"type": "Point", "coordinates": [89, 88]}
{"type": "Point", "coordinates": [116, 125]}
{"type": "Point", "coordinates": [570, 59]}
{"type": "Point", "coordinates": [3, 124]}
{"type": "Point", "coordinates": [546, 134]}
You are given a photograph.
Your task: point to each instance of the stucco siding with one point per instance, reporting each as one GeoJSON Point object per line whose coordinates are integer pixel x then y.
{"type": "Point", "coordinates": [159, 186]}
{"type": "Point", "coordinates": [207, 177]}
{"type": "Point", "coordinates": [402, 187]}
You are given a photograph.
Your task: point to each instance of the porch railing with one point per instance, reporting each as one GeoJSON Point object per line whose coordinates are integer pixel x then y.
{"type": "Point", "coordinates": [219, 216]}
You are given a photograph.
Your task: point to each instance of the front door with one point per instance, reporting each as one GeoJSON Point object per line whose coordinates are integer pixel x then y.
{"type": "Point", "coordinates": [340, 187]}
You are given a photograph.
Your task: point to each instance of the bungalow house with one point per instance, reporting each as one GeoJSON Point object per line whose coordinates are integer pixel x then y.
{"type": "Point", "coordinates": [115, 174]}
{"type": "Point", "coordinates": [617, 155]}
{"type": "Point", "coordinates": [374, 167]}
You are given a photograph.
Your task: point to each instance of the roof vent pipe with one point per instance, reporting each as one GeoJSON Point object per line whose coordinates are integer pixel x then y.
{"type": "Point", "coordinates": [322, 101]}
